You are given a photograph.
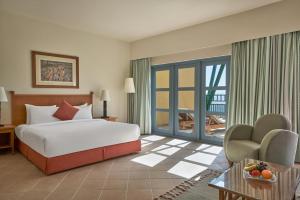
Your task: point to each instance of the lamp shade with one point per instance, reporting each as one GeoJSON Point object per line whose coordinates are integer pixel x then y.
{"type": "Point", "coordinates": [129, 85]}
{"type": "Point", "coordinates": [105, 95]}
{"type": "Point", "coordinates": [3, 97]}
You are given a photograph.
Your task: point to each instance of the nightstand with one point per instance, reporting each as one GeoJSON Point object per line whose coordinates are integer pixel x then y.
{"type": "Point", "coordinates": [109, 118]}
{"type": "Point", "coordinates": [8, 129]}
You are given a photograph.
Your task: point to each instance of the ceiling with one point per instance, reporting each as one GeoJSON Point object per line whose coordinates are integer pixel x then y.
{"type": "Point", "coordinates": [128, 20]}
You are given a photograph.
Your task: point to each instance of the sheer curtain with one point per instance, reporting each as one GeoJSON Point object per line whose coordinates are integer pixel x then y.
{"type": "Point", "coordinates": [139, 103]}
{"type": "Point", "coordinates": [265, 78]}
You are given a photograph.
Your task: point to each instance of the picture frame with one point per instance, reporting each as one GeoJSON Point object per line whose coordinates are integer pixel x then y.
{"type": "Point", "coordinates": [50, 70]}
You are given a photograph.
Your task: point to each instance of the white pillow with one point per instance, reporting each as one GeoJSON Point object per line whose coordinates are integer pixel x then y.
{"type": "Point", "coordinates": [84, 112]}
{"type": "Point", "coordinates": [83, 105]}
{"type": "Point", "coordinates": [28, 110]}
{"type": "Point", "coordinates": [42, 115]}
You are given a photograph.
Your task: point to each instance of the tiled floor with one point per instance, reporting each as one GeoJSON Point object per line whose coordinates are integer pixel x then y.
{"type": "Point", "coordinates": [162, 164]}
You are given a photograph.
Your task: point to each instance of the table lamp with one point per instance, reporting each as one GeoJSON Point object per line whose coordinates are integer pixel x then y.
{"type": "Point", "coordinates": [105, 97]}
{"type": "Point", "coordinates": [3, 98]}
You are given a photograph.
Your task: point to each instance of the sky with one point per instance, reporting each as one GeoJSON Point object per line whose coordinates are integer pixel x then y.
{"type": "Point", "coordinates": [208, 75]}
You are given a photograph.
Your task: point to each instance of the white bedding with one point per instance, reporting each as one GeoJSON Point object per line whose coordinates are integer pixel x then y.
{"type": "Point", "coordinates": [64, 137]}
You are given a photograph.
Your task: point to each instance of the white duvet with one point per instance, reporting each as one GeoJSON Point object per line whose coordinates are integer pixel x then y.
{"type": "Point", "coordinates": [64, 137]}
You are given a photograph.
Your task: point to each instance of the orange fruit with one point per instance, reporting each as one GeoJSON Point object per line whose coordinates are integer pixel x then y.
{"type": "Point", "coordinates": [267, 174]}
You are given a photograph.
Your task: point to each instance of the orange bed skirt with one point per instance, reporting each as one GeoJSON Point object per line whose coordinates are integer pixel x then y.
{"type": "Point", "coordinates": [77, 159]}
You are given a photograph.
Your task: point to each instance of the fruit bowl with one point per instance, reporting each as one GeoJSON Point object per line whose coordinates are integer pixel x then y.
{"type": "Point", "coordinates": [258, 171]}
{"type": "Point", "coordinates": [260, 178]}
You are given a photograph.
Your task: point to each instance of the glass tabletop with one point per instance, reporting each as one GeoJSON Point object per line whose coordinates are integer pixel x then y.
{"type": "Point", "coordinates": [234, 182]}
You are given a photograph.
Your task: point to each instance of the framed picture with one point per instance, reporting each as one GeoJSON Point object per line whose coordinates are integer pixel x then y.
{"type": "Point", "coordinates": [54, 70]}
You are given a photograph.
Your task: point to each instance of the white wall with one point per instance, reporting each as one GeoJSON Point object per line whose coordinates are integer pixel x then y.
{"type": "Point", "coordinates": [272, 19]}
{"type": "Point", "coordinates": [104, 62]}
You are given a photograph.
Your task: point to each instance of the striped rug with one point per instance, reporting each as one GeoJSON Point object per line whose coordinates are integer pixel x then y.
{"type": "Point", "coordinates": [194, 189]}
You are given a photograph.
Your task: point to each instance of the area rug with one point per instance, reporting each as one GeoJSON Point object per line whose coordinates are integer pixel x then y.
{"type": "Point", "coordinates": [194, 189]}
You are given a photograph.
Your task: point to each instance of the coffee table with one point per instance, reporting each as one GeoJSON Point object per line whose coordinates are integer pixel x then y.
{"type": "Point", "coordinates": [232, 185]}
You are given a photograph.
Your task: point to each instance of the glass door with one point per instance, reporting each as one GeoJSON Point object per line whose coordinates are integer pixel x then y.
{"type": "Point", "coordinates": [186, 109]}
{"type": "Point", "coordinates": [161, 100]}
{"type": "Point", "coordinates": [214, 99]}
{"type": "Point", "coordinates": [189, 99]}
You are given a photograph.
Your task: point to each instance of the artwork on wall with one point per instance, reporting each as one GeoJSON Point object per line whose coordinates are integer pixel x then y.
{"type": "Point", "coordinates": [54, 70]}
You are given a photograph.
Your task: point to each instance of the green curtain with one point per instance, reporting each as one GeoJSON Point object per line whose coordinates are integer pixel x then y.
{"type": "Point", "coordinates": [139, 103]}
{"type": "Point", "coordinates": [265, 78]}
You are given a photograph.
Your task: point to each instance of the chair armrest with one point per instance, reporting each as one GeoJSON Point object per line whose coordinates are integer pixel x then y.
{"type": "Point", "coordinates": [238, 132]}
{"type": "Point", "coordinates": [279, 146]}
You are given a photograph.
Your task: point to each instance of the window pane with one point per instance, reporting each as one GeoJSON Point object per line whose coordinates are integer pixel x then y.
{"type": "Point", "coordinates": [162, 120]}
{"type": "Point", "coordinates": [215, 125]}
{"type": "Point", "coordinates": [215, 75]}
{"type": "Point", "coordinates": [162, 79]}
{"type": "Point", "coordinates": [215, 101]}
{"type": "Point", "coordinates": [215, 112]}
{"type": "Point", "coordinates": [186, 77]}
{"type": "Point", "coordinates": [162, 99]}
{"type": "Point", "coordinates": [186, 100]}
{"type": "Point", "coordinates": [186, 122]}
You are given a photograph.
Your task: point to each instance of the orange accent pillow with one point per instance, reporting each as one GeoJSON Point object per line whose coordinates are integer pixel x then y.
{"type": "Point", "coordinates": [66, 111]}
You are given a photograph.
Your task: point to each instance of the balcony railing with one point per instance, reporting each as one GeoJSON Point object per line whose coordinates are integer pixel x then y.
{"type": "Point", "coordinates": [218, 104]}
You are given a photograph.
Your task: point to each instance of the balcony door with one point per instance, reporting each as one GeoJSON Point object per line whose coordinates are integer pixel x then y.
{"type": "Point", "coordinates": [162, 101]}
{"type": "Point", "coordinates": [213, 99]}
{"type": "Point", "coordinates": [189, 99]}
{"type": "Point", "coordinates": [185, 97]}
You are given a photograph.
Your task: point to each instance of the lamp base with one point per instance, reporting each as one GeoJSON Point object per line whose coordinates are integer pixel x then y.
{"type": "Point", "coordinates": [104, 109]}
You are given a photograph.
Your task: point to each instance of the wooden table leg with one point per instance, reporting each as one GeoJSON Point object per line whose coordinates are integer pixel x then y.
{"type": "Point", "coordinates": [221, 195]}
{"type": "Point", "coordinates": [12, 142]}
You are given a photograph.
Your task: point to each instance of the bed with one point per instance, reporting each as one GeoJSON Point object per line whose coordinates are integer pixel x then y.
{"type": "Point", "coordinates": [57, 146]}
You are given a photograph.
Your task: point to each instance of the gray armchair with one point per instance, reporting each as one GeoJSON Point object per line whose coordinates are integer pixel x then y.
{"type": "Point", "coordinates": [270, 139]}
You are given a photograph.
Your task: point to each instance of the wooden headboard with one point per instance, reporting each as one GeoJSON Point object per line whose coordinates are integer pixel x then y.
{"type": "Point", "coordinates": [18, 101]}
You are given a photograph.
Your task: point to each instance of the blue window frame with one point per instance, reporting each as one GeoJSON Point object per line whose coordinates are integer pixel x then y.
{"type": "Point", "coordinates": [206, 86]}
{"type": "Point", "coordinates": [214, 92]}
{"type": "Point", "coordinates": [186, 113]}
{"type": "Point", "coordinates": [160, 122]}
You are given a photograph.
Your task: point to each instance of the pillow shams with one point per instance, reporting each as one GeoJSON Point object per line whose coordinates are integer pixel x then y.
{"type": "Point", "coordinates": [42, 115]}
{"type": "Point", "coordinates": [85, 112]}
{"type": "Point", "coordinates": [28, 111]}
